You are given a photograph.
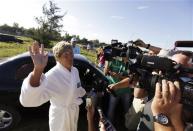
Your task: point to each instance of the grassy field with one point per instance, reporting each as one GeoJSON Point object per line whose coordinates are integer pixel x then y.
{"type": "Point", "coordinates": [91, 55]}
{"type": "Point", "coordinates": [11, 49]}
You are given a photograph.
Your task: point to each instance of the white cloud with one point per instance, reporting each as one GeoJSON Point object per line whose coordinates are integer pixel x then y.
{"type": "Point", "coordinates": [90, 26]}
{"type": "Point", "coordinates": [142, 7]}
{"type": "Point", "coordinates": [93, 36]}
{"type": "Point", "coordinates": [117, 17]}
{"type": "Point", "coordinates": [74, 26]}
{"type": "Point", "coordinates": [71, 24]}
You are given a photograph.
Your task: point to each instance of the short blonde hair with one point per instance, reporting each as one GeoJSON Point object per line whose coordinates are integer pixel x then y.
{"type": "Point", "coordinates": [60, 48]}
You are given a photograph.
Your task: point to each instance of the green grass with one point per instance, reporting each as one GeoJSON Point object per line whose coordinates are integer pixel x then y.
{"type": "Point", "coordinates": [91, 55]}
{"type": "Point", "coordinates": [10, 49]}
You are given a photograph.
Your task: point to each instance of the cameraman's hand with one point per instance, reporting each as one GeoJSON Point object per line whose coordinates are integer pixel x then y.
{"type": "Point", "coordinates": [111, 73]}
{"type": "Point", "coordinates": [167, 97]}
{"type": "Point", "coordinates": [114, 74]}
{"type": "Point", "coordinates": [112, 87]}
{"type": "Point", "coordinates": [128, 82]}
{"type": "Point", "coordinates": [166, 101]}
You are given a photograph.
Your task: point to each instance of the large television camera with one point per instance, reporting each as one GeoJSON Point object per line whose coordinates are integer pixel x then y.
{"type": "Point", "coordinates": [143, 66]}
{"type": "Point", "coordinates": [114, 50]}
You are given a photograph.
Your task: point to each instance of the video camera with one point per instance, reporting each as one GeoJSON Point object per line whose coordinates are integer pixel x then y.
{"type": "Point", "coordinates": [115, 49]}
{"type": "Point", "coordinates": [143, 66]}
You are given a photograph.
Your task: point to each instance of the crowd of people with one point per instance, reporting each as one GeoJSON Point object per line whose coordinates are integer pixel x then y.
{"type": "Point", "coordinates": [145, 112]}
{"type": "Point", "coordinates": [62, 87]}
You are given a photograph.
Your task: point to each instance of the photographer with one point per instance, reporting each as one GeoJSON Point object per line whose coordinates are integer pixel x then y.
{"type": "Point", "coordinates": [132, 117]}
{"type": "Point", "coordinates": [116, 70]}
{"type": "Point", "coordinates": [134, 113]}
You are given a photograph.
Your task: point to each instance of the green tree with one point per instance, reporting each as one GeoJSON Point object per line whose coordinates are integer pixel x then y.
{"type": "Point", "coordinates": [16, 25]}
{"type": "Point", "coordinates": [95, 43]}
{"type": "Point", "coordinates": [6, 29]}
{"type": "Point", "coordinates": [67, 37]}
{"type": "Point", "coordinates": [16, 29]}
{"type": "Point", "coordinates": [49, 23]}
{"type": "Point", "coordinates": [53, 17]}
{"type": "Point", "coordinates": [84, 41]}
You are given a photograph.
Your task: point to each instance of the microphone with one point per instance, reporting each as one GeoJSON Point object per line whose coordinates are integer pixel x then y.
{"type": "Point", "coordinates": [184, 44]}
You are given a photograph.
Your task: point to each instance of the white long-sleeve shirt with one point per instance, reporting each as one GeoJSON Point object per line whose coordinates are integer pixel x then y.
{"type": "Point", "coordinates": [63, 89]}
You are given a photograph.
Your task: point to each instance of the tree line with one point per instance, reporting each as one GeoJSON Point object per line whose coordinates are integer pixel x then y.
{"type": "Point", "coordinates": [49, 28]}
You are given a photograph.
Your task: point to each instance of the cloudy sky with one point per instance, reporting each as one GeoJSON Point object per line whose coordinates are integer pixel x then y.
{"type": "Point", "coordinates": [159, 22]}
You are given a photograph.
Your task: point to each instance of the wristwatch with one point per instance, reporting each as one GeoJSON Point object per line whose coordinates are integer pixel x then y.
{"type": "Point", "coordinates": [161, 119]}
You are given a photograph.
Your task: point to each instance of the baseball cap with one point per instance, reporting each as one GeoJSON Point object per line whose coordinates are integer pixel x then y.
{"type": "Point", "coordinates": [73, 39]}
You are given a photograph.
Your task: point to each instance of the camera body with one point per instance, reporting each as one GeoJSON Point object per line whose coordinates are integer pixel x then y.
{"type": "Point", "coordinates": [114, 50]}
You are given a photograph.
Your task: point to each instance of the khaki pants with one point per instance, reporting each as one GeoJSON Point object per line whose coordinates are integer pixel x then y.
{"type": "Point", "coordinates": [132, 117]}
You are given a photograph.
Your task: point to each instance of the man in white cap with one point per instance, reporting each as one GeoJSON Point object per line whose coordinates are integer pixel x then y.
{"type": "Point", "coordinates": [76, 49]}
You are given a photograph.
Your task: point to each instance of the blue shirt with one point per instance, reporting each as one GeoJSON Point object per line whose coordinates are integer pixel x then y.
{"type": "Point", "coordinates": [76, 50]}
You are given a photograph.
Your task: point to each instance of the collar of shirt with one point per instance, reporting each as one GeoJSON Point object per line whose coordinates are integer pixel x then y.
{"type": "Point", "coordinates": [64, 68]}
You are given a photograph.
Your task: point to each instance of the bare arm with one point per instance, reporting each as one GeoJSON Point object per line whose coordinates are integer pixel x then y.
{"type": "Point", "coordinates": [35, 77]}
{"type": "Point", "coordinates": [106, 68]}
{"type": "Point", "coordinates": [31, 93]}
{"type": "Point", "coordinates": [90, 116]}
{"type": "Point", "coordinates": [154, 49]}
{"type": "Point", "coordinates": [122, 84]}
{"type": "Point", "coordinates": [140, 93]}
{"type": "Point", "coordinates": [91, 126]}
{"type": "Point", "coordinates": [40, 60]}
{"type": "Point", "coordinates": [159, 127]}
{"type": "Point", "coordinates": [144, 45]}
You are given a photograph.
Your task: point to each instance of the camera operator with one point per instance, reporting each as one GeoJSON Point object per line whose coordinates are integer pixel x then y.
{"type": "Point", "coordinates": [140, 95]}
{"type": "Point", "coordinates": [182, 57]}
{"type": "Point", "coordinates": [132, 116]}
{"type": "Point", "coordinates": [116, 70]}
